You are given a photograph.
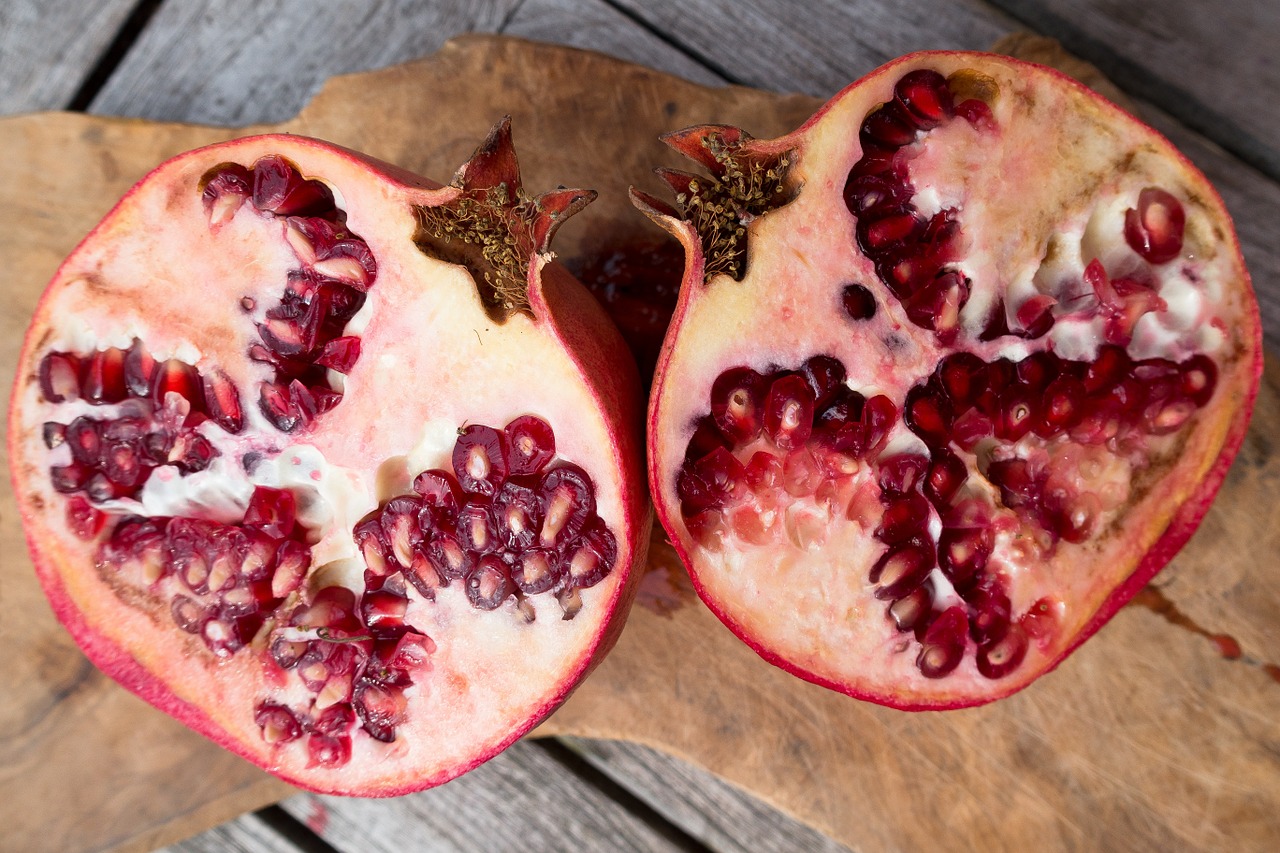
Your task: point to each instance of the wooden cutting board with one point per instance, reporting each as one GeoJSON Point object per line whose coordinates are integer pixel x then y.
{"type": "Point", "coordinates": [1149, 737]}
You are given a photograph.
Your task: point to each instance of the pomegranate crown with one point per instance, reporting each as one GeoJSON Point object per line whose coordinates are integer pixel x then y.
{"type": "Point", "coordinates": [745, 183]}
{"type": "Point", "coordinates": [492, 226]}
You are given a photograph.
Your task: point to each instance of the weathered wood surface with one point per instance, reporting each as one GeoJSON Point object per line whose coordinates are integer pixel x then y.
{"type": "Point", "coordinates": [754, 37]}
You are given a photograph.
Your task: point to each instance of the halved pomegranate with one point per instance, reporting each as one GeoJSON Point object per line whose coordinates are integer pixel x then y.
{"type": "Point", "coordinates": [332, 463]}
{"type": "Point", "coordinates": [956, 368]}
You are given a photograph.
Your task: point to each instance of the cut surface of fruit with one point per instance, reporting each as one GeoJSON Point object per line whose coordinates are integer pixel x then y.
{"type": "Point", "coordinates": [330, 462]}
{"type": "Point", "coordinates": [966, 375]}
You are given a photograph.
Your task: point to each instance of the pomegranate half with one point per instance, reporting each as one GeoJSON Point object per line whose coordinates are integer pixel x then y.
{"type": "Point", "coordinates": [956, 368]}
{"type": "Point", "coordinates": [332, 463]}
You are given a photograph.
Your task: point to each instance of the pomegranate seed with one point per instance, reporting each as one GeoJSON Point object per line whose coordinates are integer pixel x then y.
{"type": "Point", "coordinates": [1107, 369]}
{"type": "Point", "coordinates": [845, 406]}
{"type": "Point", "coordinates": [1017, 414]}
{"type": "Point", "coordinates": [1001, 657]}
{"type": "Point", "coordinates": [257, 555]}
{"type": "Point", "coordinates": [963, 376]}
{"type": "Point", "coordinates": [477, 531]}
{"type": "Point", "coordinates": [991, 612]}
{"type": "Point", "coordinates": [519, 515]}
{"type": "Point", "coordinates": [531, 445]}
{"type": "Point", "coordinates": [737, 401]}
{"type": "Point", "coordinates": [1199, 376]}
{"type": "Point", "coordinates": [1019, 484]}
{"type": "Point", "coordinates": [225, 190]}
{"type": "Point", "coordinates": [423, 575]}
{"type": "Point", "coordinates": [858, 302]}
{"type": "Point", "coordinates": [947, 473]}
{"type": "Point", "coordinates": [902, 474]}
{"type": "Point", "coordinates": [323, 751]}
{"type": "Point", "coordinates": [904, 517]}
{"type": "Point", "coordinates": [1040, 621]}
{"type": "Point", "coordinates": [279, 407]}
{"type": "Point", "coordinates": [277, 722]}
{"type": "Point", "coordinates": [826, 377]}
{"type": "Point", "coordinates": [85, 441]}
{"type": "Point", "coordinates": [1061, 409]}
{"type": "Point", "coordinates": [890, 126]}
{"type": "Point", "coordinates": [187, 614]}
{"type": "Point", "coordinates": [888, 228]}
{"type": "Point", "coordinates": [943, 642]}
{"type": "Point", "coordinates": [380, 709]}
{"type": "Point", "coordinates": [441, 493]}
{"type": "Point", "coordinates": [401, 529]}
{"type": "Point", "coordinates": [374, 549]}
{"type": "Point", "coordinates": [788, 412]}
{"type": "Point", "coordinates": [937, 305]}
{"type": "Point", "coordinates": [271, 510]}
{"type": "Point", "coordinates": [177, 377]}
{"type": "Point", "coordinates": [593, 557]}
{"type": "Point", "coordinates": [480, 459]}
{"type": "Point", "coordinates": [763, 473]}
{"type": "Point", "coordinates": [139, 370]}
{"type": "Point", "coordinates": [60, 377]}
{"type": "Point", "coordinates": [568, 497]}
{"type": "Point", "coordinates": [801, 474]}
{"type": "Point", "coordinates": [878, 415]}
{"type": "Point", "coordinates": [83, 520]}
{"type": "Point", "coordinates": [537, 570]}
{"type": "Point", "coordinates": [1073, 519]}
{"type": "Point", "coordinates": [447, 556]}
{"type": "Point", "coordinates": [706, 438]}
{"type": "Point", "coordinates": [292, 561]}
{"type": "Point", "coordinates": [864, 192]}
{"type": "Point", "coordinates": [924, 97]}
{"type": "Point", "coordinates": [69, 478]}
{"type": "Point", "coordinates": [340, 354]}
{"type": "Point", "coordinates": [963, 552]}
{"type": "Point", "coordinates": [901, 569]}
{"type": "Point", "coordinates": [489, 583]}
{"type": "Point", "coordinates": [222, 637]}
{"type": "Point", "coordinates": [287, 653]}
{"type": "Point", "coordinates": [927, 414]}
{"type": "Point", "coordinates": [104, 380]}
{"type": "Point", "coordinates": [1154, 229]}
{"type": "Point", "coordinates": [977, 113]}
{"type": "Point", "coordinates": [275, 181]}
{"type": "Point", "coordinates": [382, 610]}
{"type": "Point", "coordinates": [707, 528]}
{"type": "Point", "coordinates": [223, 401]}
{"type": "Point", "coordinates": [53, 434]}
{"type": "Point", "coordinates": [912, 609]}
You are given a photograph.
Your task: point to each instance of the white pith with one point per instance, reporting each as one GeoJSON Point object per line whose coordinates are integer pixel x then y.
{"type": "Point", "coordinates": [814, 609]}
{"type": "Point", "coordinates": [431, 362]}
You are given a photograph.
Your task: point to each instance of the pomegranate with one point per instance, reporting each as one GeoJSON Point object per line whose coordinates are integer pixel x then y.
{"type": "Point", "coordinates": [332, 463]}
{"type": "Point", "coordinates": [955, 369]}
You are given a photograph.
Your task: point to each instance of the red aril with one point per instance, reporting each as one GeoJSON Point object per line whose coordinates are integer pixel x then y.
{"type": "Point", "coordinates": [288, 430]}
{"type": "Point", "coordinates": [1042, 314]}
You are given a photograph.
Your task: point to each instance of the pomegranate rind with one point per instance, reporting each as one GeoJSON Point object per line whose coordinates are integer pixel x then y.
{"type": "Point", "coordinates": [585, 385]}
{"type": "Point", "coordinates": [719, 324]}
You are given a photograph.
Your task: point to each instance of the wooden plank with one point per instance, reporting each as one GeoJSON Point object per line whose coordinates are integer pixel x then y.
{"type": "Point", "coordinates": [717, 814]}
{"type": "Point", "coordinates": [47, 49]}
{"type": "Point", "coordinates": [1207, 64]}
{"type": "Point", "coordinates": [819, 48]}
{"type": "Point", "coordinates": [249, 833]}
{"type": "Point", "coordinates": [594, 25]}
{"type": "Point", "coordinates": [522, 800]}
{"type": "Point", "coordinates": [236, 62]}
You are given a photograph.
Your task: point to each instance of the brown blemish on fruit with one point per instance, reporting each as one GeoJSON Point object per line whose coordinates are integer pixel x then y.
{"type": "Point", "coordinates": [35, 502]}
{"type": "Point", "coordinates": [967, 83]}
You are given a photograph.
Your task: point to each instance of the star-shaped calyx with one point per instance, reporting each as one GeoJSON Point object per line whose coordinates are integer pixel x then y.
{"type": "Point", "coordinates": [746, 181]}
{"type": "Point", "coordinates": [492, 227]}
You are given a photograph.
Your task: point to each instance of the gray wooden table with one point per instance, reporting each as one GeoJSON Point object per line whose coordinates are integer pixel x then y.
{"type": "Point", "coordinates": [1202, 73]}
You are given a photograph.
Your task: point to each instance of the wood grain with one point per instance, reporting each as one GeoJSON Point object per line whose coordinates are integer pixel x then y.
{"type": "Point", "coordinates": [522, 803]}
{"type": "Point", "coordinates": [249, 834]}
{"type": "Point", "coordinates": [1147, 735]}
{"type": "Point", "coordinates": [1148, 47]}
{"type": "Point", "coordinates": [192, 65]}
{"type": "Point", "coordinates": [48, 49]}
